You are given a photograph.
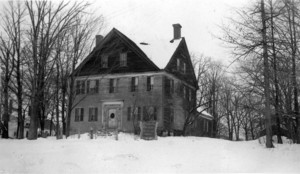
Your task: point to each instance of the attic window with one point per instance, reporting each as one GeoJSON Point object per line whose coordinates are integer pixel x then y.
{"type": "Point", "coordinates": [178, 64]}
{"type": "Point", "coordinates": [184, 68]}
{"type": "Point", "coordinates": [104, 61]}
{"type": "Point", "coordinates": [123, 59]}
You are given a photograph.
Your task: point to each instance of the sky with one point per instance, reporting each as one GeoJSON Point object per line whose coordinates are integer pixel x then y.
{"type": "Point", "coordinates": [148, 19]}
{"type": "Point", "coordinates": [144, 20]}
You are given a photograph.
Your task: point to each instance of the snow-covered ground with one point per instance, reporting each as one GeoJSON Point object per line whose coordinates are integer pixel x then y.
{"type": "Point", "coordinates": [132, 155]}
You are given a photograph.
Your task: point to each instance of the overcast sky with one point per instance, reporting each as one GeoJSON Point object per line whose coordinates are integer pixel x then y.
{"type": "Point", "coordinates": [145, 19]}
{"type": "Point", "coordinates": [154, 18]}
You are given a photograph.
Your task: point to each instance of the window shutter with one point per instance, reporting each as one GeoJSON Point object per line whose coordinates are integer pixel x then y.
{"type": "Point", "coordinates": [77, 87]}
{"type": "Point", "coordinates": [148, 83]}
{"type": "Point", "coordinates": [132, 84]}
{"type": "Point", "coordinates": [128, 113]}
{"type": "Point", "coordinates": [82, 87]}
{"type": "Point", "coordinates": [97, 86]}
{"type": "Point", "coordinates": [155, 113]}
{"type": "Point", "coordinates": [111, 85]}
{"type": "Point", "coordinates": [88, 86]}
{"type": "Point", "coordinates": [96, 114]}
{"type": "Point", "coordinates": [116, 85]}
{"type": "Point", "coordinates": [81, 114]}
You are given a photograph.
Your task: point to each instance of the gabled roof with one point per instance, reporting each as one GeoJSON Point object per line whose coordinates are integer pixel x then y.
{"type": "Point", "coordinates": [126, 40]}
{"type": "Point", "coordinates": [156, 49]}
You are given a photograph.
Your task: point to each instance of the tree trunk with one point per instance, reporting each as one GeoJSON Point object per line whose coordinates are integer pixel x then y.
{"type": "Point", "coordinates": [294, 50]}
{"type": "Point", "coordinates": [32, 134]}
{"type": "Point", "coordinates": [57, 103]}
{"type": "Point", "coordinates": [51, 123]}
{"type": "Point", "coordinates": [63, 107]}
{"type": "Point", "coordinates": [277, 115]}
{"type": "Point", "coordinates": [268, 119]}
{"type": "Point", "coordinates": [5, 133]}
{"type": "Point", "coordinates": [70, 105]}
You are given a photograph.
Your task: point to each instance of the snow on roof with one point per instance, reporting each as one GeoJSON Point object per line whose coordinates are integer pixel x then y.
{"type": "Point", "coordinates": [158, 49]}
{"type": "Point", "coordinates": [204, 113]}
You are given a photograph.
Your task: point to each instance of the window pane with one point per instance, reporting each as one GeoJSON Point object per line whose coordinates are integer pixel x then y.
{"type": "Point", "coordinates": [123, 59]}
{"type": "Point", "coordinates": [104, 61]}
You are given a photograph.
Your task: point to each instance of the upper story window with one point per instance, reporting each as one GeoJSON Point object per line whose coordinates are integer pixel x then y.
{"type": "Point", "coordinates": [92, 86]}
{"type": "Point", "coordinates": [93, 114]}
{"type": "Point", "coordinates": [134, 84]}
{"type": "Point", "coordinates": [112, 85]}
{"type": "Point", "coordinates": [79, 114]}
{"type": "Point", "coordinates": [184, 67]}
{"type": "Point", "coordinates": [178, 64]}
{"type": "Point", "coordinates": [123, 59]}
{"type": "Point", "coordinates": [169, 86]}
{"type": "Point", "coordinates": [104, 61]}
{"type": "Point", "coordinates": [150, 83]}
{"type": "Point", "coordinates": [80, 87]}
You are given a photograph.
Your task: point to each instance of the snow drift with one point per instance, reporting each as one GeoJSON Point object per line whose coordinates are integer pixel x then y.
{"type": "Point", "coordinates": [132, 155]}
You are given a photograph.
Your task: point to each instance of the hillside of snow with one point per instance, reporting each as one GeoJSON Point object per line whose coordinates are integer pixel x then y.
{"type": "Point", "coordinates": [132, 155]}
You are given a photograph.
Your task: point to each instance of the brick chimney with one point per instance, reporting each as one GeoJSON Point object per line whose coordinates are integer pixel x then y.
{"type": "Point", "coordinates": [177, 31]}
{"type": "Point", "coordinates": [98, 39]}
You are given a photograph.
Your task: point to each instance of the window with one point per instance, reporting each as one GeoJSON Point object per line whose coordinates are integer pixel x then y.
{"type": "Point", "coordinates": [92, 86]}
{"type": "Point", "coordinates": [149, 113]}
{"type": "Point", "coordinates": [178, 64]}
{"type": "Point", "coordinates": [134, 84]}
{"type": "Point", "coordinates": [134, 113]}
{"type": "Point", "coordinates": [184, 68]}
{"type": "Point", "coordinates": [104, 61]}
{"type": "Point", "coordinates": [80, 87]}
{"type": "Point", "coordinates": [150, 82]}
{"type": "Point", "coordinates": [77, 87]}
{"type": "Point", "coordinates": [190, 95]}
{"type": "Point", "coordinates": [79, 114]}
{"type": "Point", "coordinates": [123, 59]}
{"type": "Point", "coordinates": [93, 114]}
{"type": "Point", "coordinates": [112, 85]}
{"type": "Point", "coordinates": [169, 86]}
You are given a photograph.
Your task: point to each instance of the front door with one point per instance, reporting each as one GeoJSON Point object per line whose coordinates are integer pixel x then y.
{"type": "Point", "coordinates": [112, 118]}
{"type": "Point", "coordinates": [112, 115]}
